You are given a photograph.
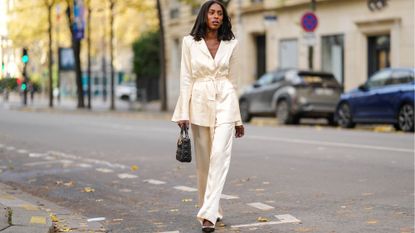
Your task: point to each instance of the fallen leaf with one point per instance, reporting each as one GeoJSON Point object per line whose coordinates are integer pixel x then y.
{"type": "Point", "coordinates": [187, 200]}
{"type": "Point", "coordinates": [54, 218]}
{"type": "Point", "coordinates": [174, 210]}
{"type": "Point", "coordinates": [118, 220]}
{"type": "Point", "coordinates": [262, 219]}
{"type": "Point", "coordinates": [372, 222]}
{"type": "Point", "coordinates": [59, 182]}
{"type": "Point", "coordinates": [134, 168]}
{"type": "Point", "coordinates": [88, 190]}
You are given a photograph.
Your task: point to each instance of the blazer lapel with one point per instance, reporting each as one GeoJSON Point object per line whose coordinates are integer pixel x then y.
{"type": "Point", "coordinates": [203, 47]}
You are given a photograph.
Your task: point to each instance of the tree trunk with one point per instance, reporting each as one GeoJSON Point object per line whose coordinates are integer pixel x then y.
{"type": "Point", "coordinates": [112, 3]}
{"type": "Point", "coordinates": [163, 91]}
{"type": "Point", "coordinates": [49, 6]}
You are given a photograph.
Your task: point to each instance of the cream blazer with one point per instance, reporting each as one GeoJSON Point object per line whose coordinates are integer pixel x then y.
{"type": "Point", "coordinates": [208, 87]}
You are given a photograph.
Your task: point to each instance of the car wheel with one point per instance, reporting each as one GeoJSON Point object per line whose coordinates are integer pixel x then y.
{"type": "Point", "coordinates": [284, 115]}
{"type": "Point", "coordinates": [344, 116]}
{"type": "Point", "coordinates": [406, 118]}
{"type": "Point", "coordinates": [244, 108]}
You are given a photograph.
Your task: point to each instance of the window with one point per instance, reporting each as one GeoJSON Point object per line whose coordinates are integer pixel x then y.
{"type": "Point", "coordinates": [266, 79]}
{"type": "Point", "coordinates": [379, 79]}
{"type": "Point", "coordinates": [174, 6]}
{"type": "Point", "coordinates": [401, 77]}
{"type": "Point", "coordinates": [332, 54]}
{"type": "Point", "coordinates": [288, 54]}
{"type": "Point", "coordinates": [378, 53]}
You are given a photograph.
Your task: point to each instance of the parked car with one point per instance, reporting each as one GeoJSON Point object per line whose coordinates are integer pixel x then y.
{"type": "Point", "coordinates": [292, 94]}
{"type": "Point", "coordinates": [387, 97]}
{"type": "Point", "coordinates": [126, 91]}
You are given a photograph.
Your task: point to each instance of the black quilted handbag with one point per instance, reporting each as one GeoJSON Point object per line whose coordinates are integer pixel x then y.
{"type": "Point", "coordinates": [184, 150]}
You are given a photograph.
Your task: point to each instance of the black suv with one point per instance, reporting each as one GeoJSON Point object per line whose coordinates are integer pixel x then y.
{"type": "Point", "coordinates": [291, 94]}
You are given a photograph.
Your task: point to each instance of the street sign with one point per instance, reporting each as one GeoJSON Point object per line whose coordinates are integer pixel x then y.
{"type": "Point", "coordinates": [78, 25]}
{"type": "Point", "coordinates": [309, 22]}
{"type": "Point", "coordinates": [310, 38]}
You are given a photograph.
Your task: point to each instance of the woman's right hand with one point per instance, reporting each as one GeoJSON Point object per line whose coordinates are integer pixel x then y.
{"type": "Point", "coordinates": [183, 123]}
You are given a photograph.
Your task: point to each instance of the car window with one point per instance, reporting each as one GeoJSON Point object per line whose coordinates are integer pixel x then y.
{"type": "Point", "coordinates": [319, 79]}
{"type": "Point", "coordinates": [379, 79]}
{"type": "Point", "coordinates": [266, 79]}
{"type": "Point", "coordinates": [401, 77]}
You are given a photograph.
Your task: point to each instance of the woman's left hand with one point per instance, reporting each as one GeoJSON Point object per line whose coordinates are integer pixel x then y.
{"type": "Point", "coordinates": [239, 131]}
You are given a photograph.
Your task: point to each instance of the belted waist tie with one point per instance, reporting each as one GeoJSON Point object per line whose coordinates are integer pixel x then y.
{"type": "Point", "coordinates": [211, 85]}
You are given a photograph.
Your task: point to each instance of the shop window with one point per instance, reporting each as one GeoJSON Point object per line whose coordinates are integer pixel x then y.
{"type": "Point", "coordinates": [332, 56]}
{"type": "Point", "coordinates": [378, 53]}
{"type": "Point", "coordinates": [288, 54]}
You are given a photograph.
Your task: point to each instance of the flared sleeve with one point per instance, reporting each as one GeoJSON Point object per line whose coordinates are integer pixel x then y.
{"type": "Point", "coordinates": [181, 112]}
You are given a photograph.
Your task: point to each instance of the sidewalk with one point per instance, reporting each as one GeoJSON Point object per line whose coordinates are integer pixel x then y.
{"type": "Point", "coordinates": [23, 213]}
{"type": "Point", "coordinates": [21, 216]}
{"type": "Point", "coordinates": [69, 106]}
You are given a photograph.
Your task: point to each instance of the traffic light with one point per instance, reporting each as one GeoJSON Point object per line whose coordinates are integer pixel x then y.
{"type": "Point", "coordinates": [25, 56]}
{"type": "Point", "coordinates": [23, 86]}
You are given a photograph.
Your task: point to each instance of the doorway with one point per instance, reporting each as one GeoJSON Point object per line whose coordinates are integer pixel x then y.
{"type": "Point", "coordinates": [378, 53]}
{"type": "Point", "coordinates": [261, 55]}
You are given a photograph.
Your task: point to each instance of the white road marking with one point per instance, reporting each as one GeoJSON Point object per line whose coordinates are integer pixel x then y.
{"type": "Point", "coordinates": [260, 206]}
{"type": "Point", "coordinates": [228, 197]}
{"type": "Point", "coordinates": [151, 181]}
{"type": "Point", "coordinates": [49, 158]}
{"type": "Point", "coordinates": [126, 176]}
{"type": "Point", "coordinates": [37, 155]}
{"type": "Point", "coordinates": [1, 145]}
{"type": "Point", "coordinates": [22, 151]}
{"type": "Point", "coordinates": [170, 232]}
{"type": "Point", "coordinates": [10, 148]}
{"type": "Point", "coordinates": [285, 218]}
{"type": "Point", "coordinates": [96, 219]}
{"type": "Point", "coordinates": [84, 165]}
{"type": "Point", "coordinates": [125, 190]}
{"type": "Point", "coordinates": [334, 144]}
{"type": "Point", "coordinates": [104, 170]}
{"type": "Point", "coordinates": [185, 188]}
{"type": "Point", "coordinates": [48, 162]}
{"type": "Point", "coordinates": [87, 160]}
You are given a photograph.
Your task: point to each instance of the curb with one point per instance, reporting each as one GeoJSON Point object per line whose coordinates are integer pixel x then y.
{"type": "Point", "coordinates": [19, 215]}
{"type": "Point", "coordinates": [21, 212]}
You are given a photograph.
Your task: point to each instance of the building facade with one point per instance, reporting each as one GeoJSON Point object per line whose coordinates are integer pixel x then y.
{"type": "Point", "coordinates": [353, 38]}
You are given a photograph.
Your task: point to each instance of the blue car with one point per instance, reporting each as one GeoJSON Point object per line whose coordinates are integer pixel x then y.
{"type": "Point", "coordinates": [387, 97]}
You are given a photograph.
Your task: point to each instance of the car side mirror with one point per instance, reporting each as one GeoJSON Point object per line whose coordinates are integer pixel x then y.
{"type": "Point", "coordinates": [363, 87]}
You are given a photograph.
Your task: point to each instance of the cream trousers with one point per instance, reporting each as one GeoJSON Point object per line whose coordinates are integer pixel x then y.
{"type": "Point", "coordinates": [212, 147]}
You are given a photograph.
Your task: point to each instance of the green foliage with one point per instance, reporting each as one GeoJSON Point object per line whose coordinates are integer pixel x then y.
{"type": "Point", "coordinates": [8, 83]}
{"type": "Point", "coordinates": [146, 60]}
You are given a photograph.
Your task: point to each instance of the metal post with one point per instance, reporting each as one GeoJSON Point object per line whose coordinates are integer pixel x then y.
{"type": "Point", "coordinates": [112, 107]}
{"type": "Point", "coordinates": [89, 53]}
{"type": "Point", "coordinates": [50, 53]}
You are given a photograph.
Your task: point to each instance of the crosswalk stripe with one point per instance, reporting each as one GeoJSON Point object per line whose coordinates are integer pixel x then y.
{"type": "Point", "coordinates": [260, 206]}
{"type": "Point", "coordinates": [151, 181]}
{"type": "Point", "coordinates": [185, 188]}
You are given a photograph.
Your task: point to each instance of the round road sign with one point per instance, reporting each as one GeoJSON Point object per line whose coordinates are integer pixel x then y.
{"type": "Point", "coordinates": [309, 22]}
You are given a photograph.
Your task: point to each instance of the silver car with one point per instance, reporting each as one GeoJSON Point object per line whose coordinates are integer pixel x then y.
{"type": "Point", "coordinates": [290, 95]}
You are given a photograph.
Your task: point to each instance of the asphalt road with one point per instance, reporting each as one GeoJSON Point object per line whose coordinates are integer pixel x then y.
{"type": "Point", "coordinates": [282, 179]}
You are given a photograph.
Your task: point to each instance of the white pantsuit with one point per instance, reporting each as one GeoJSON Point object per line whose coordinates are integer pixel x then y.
{"type": "Point", "coordinates": [208, 100]}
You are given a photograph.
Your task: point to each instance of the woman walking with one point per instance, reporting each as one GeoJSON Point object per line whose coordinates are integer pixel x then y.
{"type": "Point", "coordinates": [208, 101]}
